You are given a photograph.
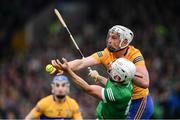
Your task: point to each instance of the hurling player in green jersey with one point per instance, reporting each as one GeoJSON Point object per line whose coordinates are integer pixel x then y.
{"type": "Point", "coordinates": [116, 95]}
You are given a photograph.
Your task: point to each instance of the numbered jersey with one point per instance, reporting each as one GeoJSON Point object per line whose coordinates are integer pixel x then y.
{"type": "Point", "coordinates": [106, 57]}
{"type": "Point", "coordinates": [116, 101]}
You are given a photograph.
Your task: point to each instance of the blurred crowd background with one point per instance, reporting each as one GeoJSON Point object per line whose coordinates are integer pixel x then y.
{"type": "Point", "coordinates": [31, 36]}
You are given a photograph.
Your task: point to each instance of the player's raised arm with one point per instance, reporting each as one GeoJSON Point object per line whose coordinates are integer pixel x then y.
{"type": "Point", "coordinates": [77, 64]}
{"type": "Point", "coordinates": [94, 90]}
{"type": "Point", "coordinates": [82, 63]}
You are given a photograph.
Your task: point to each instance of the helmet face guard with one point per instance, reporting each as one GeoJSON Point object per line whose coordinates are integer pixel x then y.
{"type": "Point", "coordinates": [122, 70]}
{"type": "Point", "coordinates": [125, 35]}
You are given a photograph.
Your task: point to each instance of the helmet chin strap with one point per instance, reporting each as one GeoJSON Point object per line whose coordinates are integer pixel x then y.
{"type": "Point", "coordinates": [113, 50]}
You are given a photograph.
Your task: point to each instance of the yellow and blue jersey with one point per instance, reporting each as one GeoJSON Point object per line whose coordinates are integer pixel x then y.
{"type": "Point", "coordinates": [106, 57]}
{"type": "Point", "coordinates": [47, 108]}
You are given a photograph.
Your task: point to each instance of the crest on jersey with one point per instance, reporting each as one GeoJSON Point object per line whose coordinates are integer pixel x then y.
{"type": "Point", "coordinates": [100, 54]}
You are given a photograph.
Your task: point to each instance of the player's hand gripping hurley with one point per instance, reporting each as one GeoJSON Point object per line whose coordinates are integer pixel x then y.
{"type": "Point", "coordinates": [65, 26]}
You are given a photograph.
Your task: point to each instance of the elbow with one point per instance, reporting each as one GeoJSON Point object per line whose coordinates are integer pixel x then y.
{"type": "Point", "coordinates": [85, 88]}
{"type": "Point", "coordinates": [145, 84]}
{"type": "Point", "coordinates": [142, 84]}
{"type": "Point", "coordinates": [88, 90]}
{"type": "Point", "coordinates": [141, 81]}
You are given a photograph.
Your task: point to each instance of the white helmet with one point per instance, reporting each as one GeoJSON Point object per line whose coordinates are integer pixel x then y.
{"type": "Point", "coordinates": [122, 70]}
{"type": "Point", "coordinates": [124, 34]}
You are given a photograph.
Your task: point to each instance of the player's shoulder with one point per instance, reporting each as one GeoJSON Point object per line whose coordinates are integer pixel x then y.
{"type": "Point", "coordinates": [101, 54]}
{"type": "Point", "coordinates": [70, 99]}
{"type": "Point", "coordinates": [105, 52]}
{"type": "Point", "coordinates": [46, 99]}
{"type": "Point", "coordinates": [135, 55]}
{"type": "Point", "coordinates": [133, 52]}
{"type": "Point", "coordinates": [45, 102]}
{"type": "Point", "coordinates": [132, 49]}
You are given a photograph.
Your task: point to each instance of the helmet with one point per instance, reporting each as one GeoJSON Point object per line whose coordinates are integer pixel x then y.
{"type": "Point", "coordinates": [124, 34]}
{"type": "Point", "coordinates": [122, 70]}
{"type": "Point", "coordinates": [59, 78]}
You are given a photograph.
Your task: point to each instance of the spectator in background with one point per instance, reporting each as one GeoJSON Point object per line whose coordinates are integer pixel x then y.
{"type": "Point", "coordinates": [173, 102]}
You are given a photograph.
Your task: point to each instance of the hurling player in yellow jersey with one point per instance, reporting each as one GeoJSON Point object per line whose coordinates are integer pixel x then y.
{"type": "Point", "coordinates": [58, 105]}
{"type": "Point", "coordinates": [118, 40]}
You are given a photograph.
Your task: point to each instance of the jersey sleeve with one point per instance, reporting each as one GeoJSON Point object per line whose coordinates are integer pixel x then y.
{"type": "Point", "coordinates": [109, 95]}
{"type": "Point", "coordinates": [76, 112]}
{"type": "Point", "coordinates": [137, 58]}
{"type": "Point", "coordinates": [99, 56]}
{"type": "Point", "coordinates": [37, 111]}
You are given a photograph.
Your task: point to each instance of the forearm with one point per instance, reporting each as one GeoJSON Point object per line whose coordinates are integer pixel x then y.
{"type": "Point", "coordinates": [141, 80]}
{"type": "Point", "coordinates": [102, 79]}
{"type": "Point", "coordinates": [76, 65]}
{"type": "Point", "coordinates": [90, 89]}
{"type": "Point", "coordinates": [79, 81]}
{"type": "Point", "coordinates": [93, 90]}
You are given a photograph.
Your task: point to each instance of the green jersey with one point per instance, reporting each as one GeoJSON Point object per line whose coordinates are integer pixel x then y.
{"type": "Point", "coordinates": [116, 101]}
